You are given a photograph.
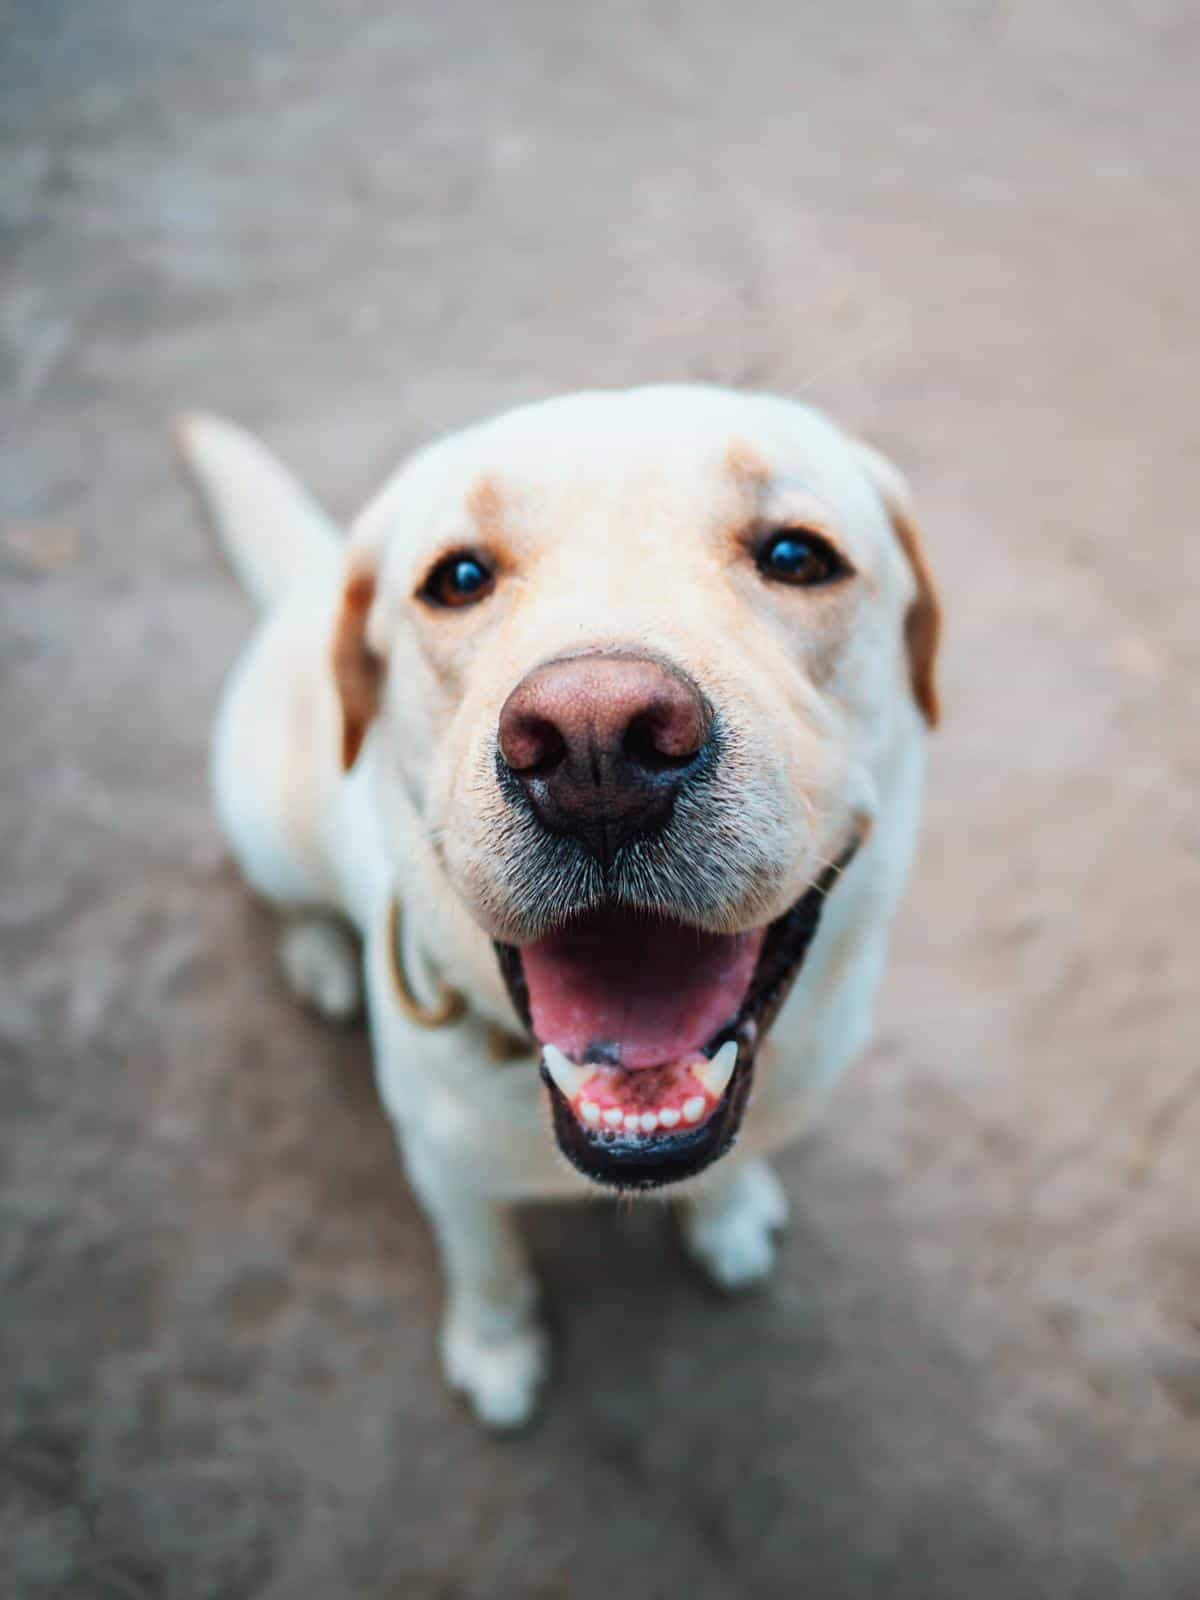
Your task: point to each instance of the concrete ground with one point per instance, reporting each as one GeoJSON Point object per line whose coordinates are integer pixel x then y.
{"type": "Point", "coordinates": [971, 232]}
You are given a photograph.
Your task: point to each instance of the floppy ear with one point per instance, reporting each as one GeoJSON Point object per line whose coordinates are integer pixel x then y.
{"type": "Point", "coordinates": [357, 669]}
{"type": "Point", "coordinates": [923, 622]}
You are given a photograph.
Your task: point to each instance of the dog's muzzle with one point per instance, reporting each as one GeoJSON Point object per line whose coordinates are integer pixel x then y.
{"type": "Point", "coordinates": [600, 745]}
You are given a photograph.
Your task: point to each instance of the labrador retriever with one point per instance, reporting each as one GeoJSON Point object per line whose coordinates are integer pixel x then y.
{"type": "Point", "coordinates": [604, 730]}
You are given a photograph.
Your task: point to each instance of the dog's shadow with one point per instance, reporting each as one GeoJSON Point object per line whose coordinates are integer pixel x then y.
{"type": "Point", "coordinates": [788, 1430]}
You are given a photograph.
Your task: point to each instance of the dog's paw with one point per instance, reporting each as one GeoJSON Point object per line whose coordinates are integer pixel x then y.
{"type": "Point", "coordinates": [501, 1377]}
{"type": "Point", "coordinates": [762, 1194]}
{"type": "Point", "coordinates": [730, 1234]}
{"type": "Point", "coordinates": [321, 963]}
{"type": "Point", "coordinates": [735, 1253]}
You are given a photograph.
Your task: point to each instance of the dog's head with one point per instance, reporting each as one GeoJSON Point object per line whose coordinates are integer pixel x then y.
{"type": "Point", "coordinates": [633, 661]}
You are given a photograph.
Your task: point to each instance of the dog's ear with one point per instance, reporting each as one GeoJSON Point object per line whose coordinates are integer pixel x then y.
{"type": "Point", "coordinates": [357, 668]}
{"type": "Point", "coordinates": [923, 621]}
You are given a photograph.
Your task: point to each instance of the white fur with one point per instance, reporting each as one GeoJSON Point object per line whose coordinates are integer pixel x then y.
{"type": "Point", "coordinates": [729, 1226]}
{"type": "Point", "coordinates": [272, 531]}
{"type": "Point", "coordinates": [321, 963]}
{"type": "Point", "coordinates": [475, 1134]}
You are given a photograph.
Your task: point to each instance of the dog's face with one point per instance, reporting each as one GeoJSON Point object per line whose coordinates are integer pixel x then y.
{"type": "Point", "coordinates": [634, 660]}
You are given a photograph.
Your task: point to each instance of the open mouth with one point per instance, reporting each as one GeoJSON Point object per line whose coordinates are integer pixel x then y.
{"type": "Point", "coordinates": [649, 1028]}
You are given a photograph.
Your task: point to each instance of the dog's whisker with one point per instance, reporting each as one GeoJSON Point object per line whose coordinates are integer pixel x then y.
{"type": "Point", "coordinates": [881, 345]}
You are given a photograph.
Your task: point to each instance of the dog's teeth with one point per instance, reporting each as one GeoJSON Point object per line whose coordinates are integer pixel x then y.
{"type": "Point", "coordinates": [613, 1117]}
{"type": "Point", "coordinates": [715, 1074]}
{"type": "Point", "coordinates": [693, 1109]}
{"type": "Point", "coordinates": [569, 1078]}
{"type": "Point", "coordinates": [632, 1122]}
{"type": "Point", "coordinates": [669, 1116]}
{"type": "Point", "coordinates": [649, 1122]}
{"type": "Point", "coordinates": [590, 1112]}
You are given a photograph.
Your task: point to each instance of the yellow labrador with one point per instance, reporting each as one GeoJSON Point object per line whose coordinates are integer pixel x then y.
{"type": "Point", "coordinates": [605, 730]}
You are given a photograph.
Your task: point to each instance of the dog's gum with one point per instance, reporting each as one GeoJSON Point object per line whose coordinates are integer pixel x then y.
{"type": "Point", "coordinates": [613, 1100]}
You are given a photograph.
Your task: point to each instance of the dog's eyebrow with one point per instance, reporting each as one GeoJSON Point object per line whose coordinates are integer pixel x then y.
{"type": "Point", "coordinates": [749, 470]}
{"type": "Point", "coordinates": [485, 503]}
{"type": "Point", "coordinates": [769, 492]}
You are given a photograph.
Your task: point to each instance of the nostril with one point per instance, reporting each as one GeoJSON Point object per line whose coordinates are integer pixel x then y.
{"type": "Point", "coordinates": [531, 745]}
{"type": "Point", "coordinates": [590, 730]}
{"type": "Point", "coordinates": [664, 737]}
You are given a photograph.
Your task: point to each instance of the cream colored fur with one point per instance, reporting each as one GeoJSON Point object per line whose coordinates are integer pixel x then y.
{"type": "Point", "coordinates": [621, 516]}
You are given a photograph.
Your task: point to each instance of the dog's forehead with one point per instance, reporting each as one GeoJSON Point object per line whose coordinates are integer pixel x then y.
{"type": "Point", "coordinates": [677, 454]}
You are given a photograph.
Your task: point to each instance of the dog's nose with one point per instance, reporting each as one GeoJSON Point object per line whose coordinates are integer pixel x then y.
{"type": "Point", "coordinates": [602, 744]}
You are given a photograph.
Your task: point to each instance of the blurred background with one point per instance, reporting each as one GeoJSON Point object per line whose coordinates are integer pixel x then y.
{"type": "Point", "coordinates": [969, 231]}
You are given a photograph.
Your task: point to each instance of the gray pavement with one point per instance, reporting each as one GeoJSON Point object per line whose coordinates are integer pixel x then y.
{"type": "Point", "coordinates": [969, 231]}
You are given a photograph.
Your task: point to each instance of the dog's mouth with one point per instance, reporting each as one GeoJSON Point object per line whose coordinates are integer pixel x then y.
{"type": "Point", "coordinates": [649, 1028]}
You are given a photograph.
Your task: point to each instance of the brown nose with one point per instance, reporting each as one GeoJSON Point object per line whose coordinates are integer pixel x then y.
{"type": "Point", "coordinates": [602, 744]}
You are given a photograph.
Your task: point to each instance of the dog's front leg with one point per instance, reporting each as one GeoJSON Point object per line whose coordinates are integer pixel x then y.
{"type": "Point", "coordinates": [494, 1346]}
{"type": "Point", "coordinates": [730, 1220]}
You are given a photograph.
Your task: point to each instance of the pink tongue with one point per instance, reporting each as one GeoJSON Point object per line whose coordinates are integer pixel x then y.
{"type": "Point", "coordinates": [635, 990]}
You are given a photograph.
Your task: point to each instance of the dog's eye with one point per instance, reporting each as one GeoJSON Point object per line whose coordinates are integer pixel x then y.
{"type": "Point", "coordinates": [459, 579]}
{"type": "Point", "coordinates": [801, 557]}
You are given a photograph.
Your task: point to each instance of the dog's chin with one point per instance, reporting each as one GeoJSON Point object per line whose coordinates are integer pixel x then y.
{"type": "Point", "coordinates": [649, 1029]}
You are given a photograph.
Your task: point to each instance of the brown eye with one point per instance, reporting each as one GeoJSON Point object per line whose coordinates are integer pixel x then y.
{"type": "Point", "coordinates": [459, 579]}
{"type": "Point", "coordinates": [801, 557]}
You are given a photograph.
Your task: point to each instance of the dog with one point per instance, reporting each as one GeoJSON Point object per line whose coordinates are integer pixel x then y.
{"type": "Point", "coordinates": [604, 731]}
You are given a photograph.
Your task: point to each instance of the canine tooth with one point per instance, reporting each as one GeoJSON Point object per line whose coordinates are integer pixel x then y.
{"type": "Point", "coordinates": [715, 1074]}
{"type": "Point", "coordinates": [668, 1116]}
{"type": "Point", "coordinates": [613, 1117]}
{"type": "Point", "coordinates": [590, 1112]}
{"type": "Point", "coordinates": [569, 1078]}
{"type": "Point", "coordinates": [649, 1122]}
{"type": "Point", "coordinates": [693, 1109]}
{"type": "Point", "coordinates": [632, 1122]}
